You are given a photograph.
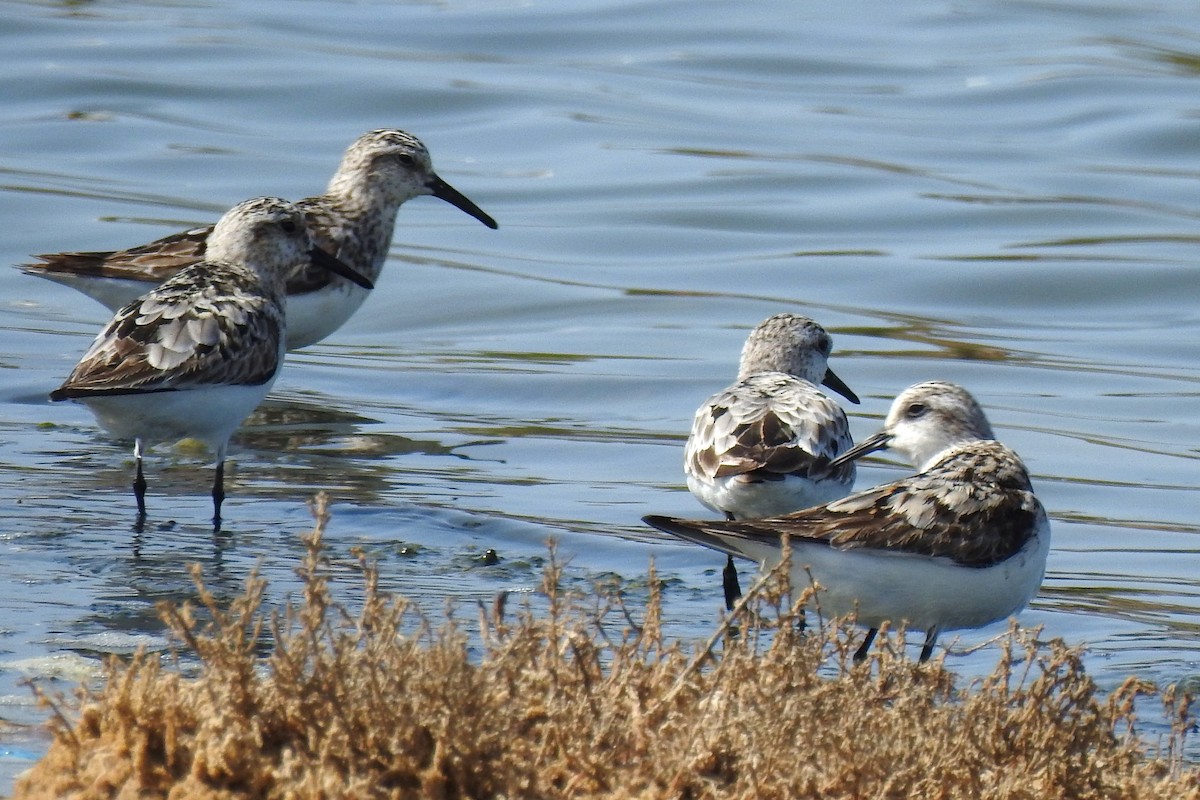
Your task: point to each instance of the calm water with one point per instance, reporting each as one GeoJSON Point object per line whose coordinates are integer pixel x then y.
{"type": "Point", "coordinates": [999, 194]}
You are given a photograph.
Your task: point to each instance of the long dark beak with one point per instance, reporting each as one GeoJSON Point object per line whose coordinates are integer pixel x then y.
{"type": "Point", "coordinates": [444, 191]}
{"type": "Point", "coordinates": [323, 259]}
{"type": "Point", "coordinates": [879, 441]}
{"type": "Point", "coordinates": [836, 383]}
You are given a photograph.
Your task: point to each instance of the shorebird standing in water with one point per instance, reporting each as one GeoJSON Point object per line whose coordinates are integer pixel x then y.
{"type": "Point", "coordinates": [194, 356]}
{"type": "Point", "coordinates": [762, 446]}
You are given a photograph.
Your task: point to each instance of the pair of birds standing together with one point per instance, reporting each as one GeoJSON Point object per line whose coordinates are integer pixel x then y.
{"type": "Point", "coordinates": [959, 545]}
{"type": "Point", "coordinates": [200, 330]}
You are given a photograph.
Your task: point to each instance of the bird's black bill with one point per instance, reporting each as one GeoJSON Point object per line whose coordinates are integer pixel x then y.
{"type": "Point", "coordinates": [444, 191]}
{"type": "Point", "coordinates": [836, 383]}
{"type": "Point", "coordinates": [323, 259]}
{"type": "Point", "coordinates": [879, 441]}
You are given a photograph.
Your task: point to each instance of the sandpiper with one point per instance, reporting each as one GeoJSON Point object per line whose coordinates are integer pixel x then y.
{"type": "Point", "coordinates": [959, 545]}
{"type": "Point", "coordinates": [195, 355]}
{"type": "Point", "coordinates": [353, 220]}
{"type": "Point", "coordinates": [762, 446]}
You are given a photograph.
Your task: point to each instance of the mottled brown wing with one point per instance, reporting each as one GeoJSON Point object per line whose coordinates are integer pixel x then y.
{"type": "Point", "coordinates": [206, 326]}
{"type": "Point", "coordinates": [975, 507]}
{"type": "Point", "coordinates": [766, 428]}
{"type": "Point", "coordinates": [159, 260]}
{"type": "Point", "coordinates": [156, 261]}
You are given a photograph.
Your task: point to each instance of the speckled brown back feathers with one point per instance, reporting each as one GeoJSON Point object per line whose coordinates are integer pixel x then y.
{"type": "Point", "coordinates": [210, 324]}
{"type": "Point", "coordinates": [162, 256]}
{"type": "Point", "coordinates": [216, 323]}
{"type": "Point", "coordinates": [974, 506]}
{"type": "Point", "coordinates": [767, 427]}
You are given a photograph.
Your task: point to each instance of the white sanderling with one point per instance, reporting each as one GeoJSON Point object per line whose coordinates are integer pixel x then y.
{"type": "Point", "coordinates": [959, 545]}
{"type": "Point", "coordinates": [762, 446]}
{"type": "Point", "coordinates": [194, 356]}
{"type": "Point", "coordinates": [353, 220]}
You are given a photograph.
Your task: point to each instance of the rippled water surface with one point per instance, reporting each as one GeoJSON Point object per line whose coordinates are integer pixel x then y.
{"type": "Point", "coordinates": [1000, 194]}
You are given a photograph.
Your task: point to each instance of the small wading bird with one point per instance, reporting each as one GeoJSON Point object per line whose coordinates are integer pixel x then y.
{"type": "Point", "coordinates": [959, 545]}
{"type": "Point", "coordinates": [194, 356]}
{"type": "Point", "coordinates": [762, 446]}
{"type": "Point", "coordinates": [353, 220]}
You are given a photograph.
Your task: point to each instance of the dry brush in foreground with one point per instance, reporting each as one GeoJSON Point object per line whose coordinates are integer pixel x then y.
{"type": "Point", "coordinates": [555, 705]}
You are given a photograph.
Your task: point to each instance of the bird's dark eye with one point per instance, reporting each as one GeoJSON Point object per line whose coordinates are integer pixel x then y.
{"type": "Point", "coordinates": [406, 160]}
{"type": "Point", "coordinates": [915, 410]}
{"type": "Point", "coordinates": [288, 225]}
{"type": "Point", "coordinates": [826, 345]}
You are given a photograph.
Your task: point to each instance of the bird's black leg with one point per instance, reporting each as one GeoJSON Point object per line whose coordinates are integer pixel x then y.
{"type": "Point", "coordinates": [927, 650]}
{"type": "Point", "coordinates": [218, 493]}
{"type": "Point", "coordinates": [139, 481]}
{"type": "Point", "coordinates": [860, 654]}
{"type": "Point", "coordinates": [729, 580]}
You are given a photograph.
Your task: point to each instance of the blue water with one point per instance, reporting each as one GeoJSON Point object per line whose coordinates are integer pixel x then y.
{"type": "Point", "coordinates": [999, 194]}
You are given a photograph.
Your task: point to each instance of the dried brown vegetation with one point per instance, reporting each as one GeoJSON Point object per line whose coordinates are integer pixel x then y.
{"type": "Point", "coordinates": [554, 705]}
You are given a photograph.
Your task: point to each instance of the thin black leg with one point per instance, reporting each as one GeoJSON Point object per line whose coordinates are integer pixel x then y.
{"type": "Point", "coordinates": [930, 639]}
{"type": "Point", "coordinates": [218, 493]}
{"type": "Point", "coordinates": [860, 654]}
{"type": "Point", "coordinates": [729, 580]}
{"type": "Point", "coordinates": [139, 486]}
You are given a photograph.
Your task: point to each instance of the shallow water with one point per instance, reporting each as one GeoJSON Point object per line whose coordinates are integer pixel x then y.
{"type": "Point", "coordinates": [998, 194]}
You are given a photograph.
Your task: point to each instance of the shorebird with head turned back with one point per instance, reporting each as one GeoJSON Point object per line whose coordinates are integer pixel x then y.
{"type": "Point", "coordinates": [961, 544]}
{"type": "Point", "coordinates": [353, 220]}
{"type": "Point", "coordinates": [194, 356]}
{"type": "Point", "coordinates": [762, 446]}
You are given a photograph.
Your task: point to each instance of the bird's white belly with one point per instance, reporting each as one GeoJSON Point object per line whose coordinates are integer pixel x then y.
{"type": "Point", "coordinates": [312, 316]}
{"type": "Point", "coordinates": [210, 414]}
{"type": "Point", "coordinates": [917, 590]}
